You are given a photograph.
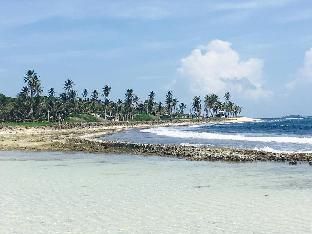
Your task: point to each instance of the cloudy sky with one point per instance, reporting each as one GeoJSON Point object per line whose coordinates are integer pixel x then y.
{"type": "Point", "coordinates": [259, 50]}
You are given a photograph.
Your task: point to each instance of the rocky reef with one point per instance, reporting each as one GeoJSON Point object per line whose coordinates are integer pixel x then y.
{"type": "Point", "coordinates": [194, 153]}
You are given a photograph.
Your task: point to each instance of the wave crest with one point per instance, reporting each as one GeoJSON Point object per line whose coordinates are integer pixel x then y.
{"type": "Point", "coordinates": [171, 132]}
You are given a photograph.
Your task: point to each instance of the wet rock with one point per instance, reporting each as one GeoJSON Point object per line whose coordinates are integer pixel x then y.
{"type": "Point", "coordinates": [293, 162]}
{"type": "Point", "coordinates": [205, 153]}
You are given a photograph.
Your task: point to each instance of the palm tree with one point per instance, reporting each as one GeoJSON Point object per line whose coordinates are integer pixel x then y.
{"type": "Point", "coordinates": [227, 104]}
{"type": "Point", "coordinates": [51, 92]}
{"type": "Point", "coordinates": [33, 85]}
{"type": "Point", "coordinates": [150, 102]}
{"type": "Point", "coordinates": [141, 108]}
{"type": "Point", "coordinates": [22, 104]}
{"type": "Point", "coordinates": [84, 105]}
{"type": "Point", "coordinates": [227, 96]}
{"type": "Point", "coordinates": [169, 99]}
{"type": "Point", "coordinates": [69, 94]}
{"type": "Point", "coordinates": [182, 107]}
{"type": "Point", "coordinates": [85, 94]}
{"type": "Point", "coordinates": [94, 96]}
{"type": "Point", "coordinates": [136, 104]}
{"type": "Point", "coordinates": [236, 110]}
{"type": "Point", "coordinates": [68, 98]}
{"type": "Point", "coordinates": [159, 108]}
{"type": "Point", "coordinates": [217, 106]}
{"type": "Point", "coordinates": [174, 104]}
{"type": "Point", "coordinates": [230, 108]}
{"type": "Point", "coordinates": [72, 94]}
{"type": "Point", "coordinates": [106, 92]}
{"type": "Point", "coordinates": [51, 103]}
{"type": "Point", "coordinates": [94, 99]}
{"type": "Point", "coordinates": [209, 102]}
{"type": "Point", "coordinates": [118, 108]}
{"type": "Point", "coordinates": [197, 106]}
{"type": "Point", "coordinates": [129, 96]}
{"type": "Point", "coordinates": [69, 85]}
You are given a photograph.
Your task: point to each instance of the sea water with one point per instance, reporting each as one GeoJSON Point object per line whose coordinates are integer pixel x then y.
{"type": "Point", "coordinates": [289, 134]}
{"type": "Point", "coordinates": [96, 193]}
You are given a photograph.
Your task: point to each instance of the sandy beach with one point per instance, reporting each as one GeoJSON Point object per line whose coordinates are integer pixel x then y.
{"type": "Point", "coordinates": [55, 137]}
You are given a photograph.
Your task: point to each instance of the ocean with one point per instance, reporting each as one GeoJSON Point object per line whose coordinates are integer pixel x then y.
{"type": "Point", "coordinates": [287, 134]}
{"type": "Point", "coordinates": [75, 193]}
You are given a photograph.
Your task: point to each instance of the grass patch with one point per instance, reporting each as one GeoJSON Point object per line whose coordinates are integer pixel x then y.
{"type": "Point", "coordinates": [144, 117]}
{"type": "Point", "coordinates": [28, 124]}
{"type": "Point", "coordinates": [83, 118]}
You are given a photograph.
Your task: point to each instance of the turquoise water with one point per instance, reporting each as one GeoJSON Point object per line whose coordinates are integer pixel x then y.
{"type": "Point", "coordinates": [95, 193]}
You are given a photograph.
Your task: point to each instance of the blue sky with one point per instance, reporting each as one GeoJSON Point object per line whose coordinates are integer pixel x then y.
{"type": "Point", "coordinates": [257, 49]}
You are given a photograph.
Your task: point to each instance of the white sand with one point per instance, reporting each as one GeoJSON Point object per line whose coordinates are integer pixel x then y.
{"type": "Point", "coordinates": [241, 119]}
{"type": "Point", "coordinates": [85, 193]}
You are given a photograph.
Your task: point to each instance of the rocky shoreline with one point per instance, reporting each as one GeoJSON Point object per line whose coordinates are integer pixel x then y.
{"type": "Point", "coordinates": [193, 153]}
{"type": "Point", "coordinates": [85, 138]}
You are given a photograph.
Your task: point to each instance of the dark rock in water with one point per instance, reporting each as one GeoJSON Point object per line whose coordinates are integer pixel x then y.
{"type": "Point", "coordinates": [293, 163]}
{"type": "Point", "coordinates": [202, 186]}
{"type": "Point", "coordinates": [310, 163]}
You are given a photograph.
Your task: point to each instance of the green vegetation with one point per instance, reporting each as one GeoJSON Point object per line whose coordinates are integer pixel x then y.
{"type": "Point", "coordinates": [32, 108]}
{"type": "Point", "coordinates": [28, 124]}
{"type": "Point", "coordinates": [144, 117]}
{"type": "Point", "coordinates": [83, 118]}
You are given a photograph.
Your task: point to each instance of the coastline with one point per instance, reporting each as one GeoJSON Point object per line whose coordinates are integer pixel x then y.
{"type": "Point", "coordinates": [84, 138]}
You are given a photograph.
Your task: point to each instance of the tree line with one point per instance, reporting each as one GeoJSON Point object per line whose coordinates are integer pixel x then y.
{"type": "Point", "coordinates": [32, 105]}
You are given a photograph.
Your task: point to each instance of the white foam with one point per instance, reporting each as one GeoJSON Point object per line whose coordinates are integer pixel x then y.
{"type": "Point", "coordinates": [171, 132]}
{"type": "Point", "coordinates": [196, 126]}
{"type": "Point", "coordinates": [269, 149]}
{"type": "Point", "coordinates": [192, 144]}
{"type": "Point", "coordinates": [294, 118]}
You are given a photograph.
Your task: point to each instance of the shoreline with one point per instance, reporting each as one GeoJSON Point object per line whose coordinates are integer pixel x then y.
{"type": "Point", "coordinates": [84, 138]}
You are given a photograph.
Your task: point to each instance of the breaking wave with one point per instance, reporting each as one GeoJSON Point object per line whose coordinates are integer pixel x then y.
{"type": "Point", "coordinates": [171, 132]}
{"type": "Point", "coordinates": [269, 149]}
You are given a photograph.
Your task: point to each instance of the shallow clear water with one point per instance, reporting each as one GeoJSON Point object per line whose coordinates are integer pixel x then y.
{"type": "Point", "coordinates": [279, 134]}
{"type": "Point", "coordinates": [94, 193]}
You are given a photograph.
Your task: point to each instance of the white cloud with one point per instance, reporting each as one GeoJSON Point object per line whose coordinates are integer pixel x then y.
{"type": "Point", "coordinates": [217, 68]}
{"type": "Point", "coordinates": [306, 70]}
{"type": "Point", "coordinates": [304, 73]}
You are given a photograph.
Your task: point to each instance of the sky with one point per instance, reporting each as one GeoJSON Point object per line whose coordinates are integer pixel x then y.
{"type": "Point", "coordinates": [259, 50]}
